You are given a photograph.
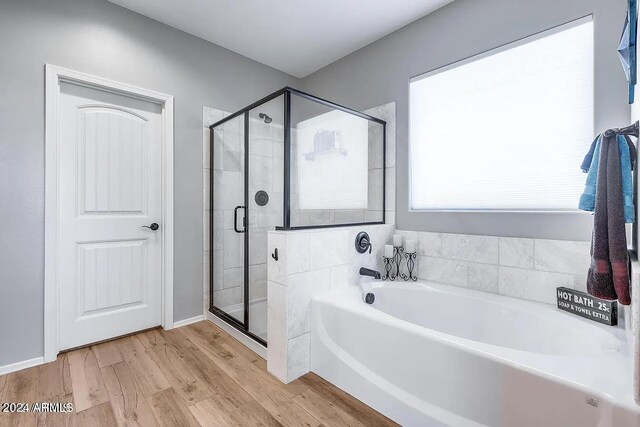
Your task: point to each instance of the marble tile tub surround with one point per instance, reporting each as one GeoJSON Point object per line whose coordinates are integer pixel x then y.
{"type": "Point", "coordinates": [314, 262]}
{"type": "Point", "coordinates": [517, 267]}
{"type": "Point", "coordinates": [310, 263]}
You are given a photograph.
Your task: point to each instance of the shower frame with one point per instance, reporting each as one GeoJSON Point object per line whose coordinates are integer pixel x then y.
{"type": "Point", "coordinates": [286, 220]}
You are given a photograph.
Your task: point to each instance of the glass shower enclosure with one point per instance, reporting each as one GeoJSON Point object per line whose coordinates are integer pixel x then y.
{"type": "Point", "coordinates": [288, 161]}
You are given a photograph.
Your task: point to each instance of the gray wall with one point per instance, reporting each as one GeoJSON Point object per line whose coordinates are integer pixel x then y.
{"type": "Point", "coordinates": [100, 38]}
{"type": "Point", "coordinates": [380, 72]}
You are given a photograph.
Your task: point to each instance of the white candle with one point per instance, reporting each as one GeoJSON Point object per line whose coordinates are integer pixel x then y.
{"type": "Point", "coordinates": [388, 251]}
{"type": "Point", "coordinates": [410, 246]}
{"type": "Point", "coordinates": [397, 240]}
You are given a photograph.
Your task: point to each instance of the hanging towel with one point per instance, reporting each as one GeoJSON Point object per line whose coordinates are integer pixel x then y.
{"type": "Point", "coordinates": [626, 148]}
{"type": "Point", "coordinates": [591, 160]}
{"type": "Point", "coordinates": [627, 151]}
{"type": "Point", "coordinates": [632, 150]}
{"type": "Point", "coordinates": [608, 275]}
{"type": "Point", "coordinates": [588, 159]}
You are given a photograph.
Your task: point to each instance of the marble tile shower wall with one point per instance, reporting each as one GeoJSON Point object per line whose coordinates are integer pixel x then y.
{"type": "Point", "coordinates": [517, 267]}
{"type": "Point", "coordinates": [266, 172]}
{"type": "Point", "coordinates": [299, 217]}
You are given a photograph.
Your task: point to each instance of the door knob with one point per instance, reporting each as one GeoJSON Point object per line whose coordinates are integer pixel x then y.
{"type": "Point", "coordinates": [154, 226]}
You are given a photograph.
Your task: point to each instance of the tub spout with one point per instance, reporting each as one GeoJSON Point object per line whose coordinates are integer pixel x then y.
{"type": "Point", "coordinates": [370, 273]}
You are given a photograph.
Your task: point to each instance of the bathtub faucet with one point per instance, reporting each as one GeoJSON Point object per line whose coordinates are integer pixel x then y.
{"type": "Point", "coordinates": [369, 273]}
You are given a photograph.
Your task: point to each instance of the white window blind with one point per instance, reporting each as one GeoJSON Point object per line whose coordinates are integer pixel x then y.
{"type": "Point", "coordinates": [508, 129]}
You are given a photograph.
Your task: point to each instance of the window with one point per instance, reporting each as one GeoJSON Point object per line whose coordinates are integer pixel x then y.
{"type": "Point", "coordinates": [508, 129]}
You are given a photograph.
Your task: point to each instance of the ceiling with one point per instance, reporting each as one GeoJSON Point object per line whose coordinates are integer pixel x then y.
{"type": "Point", "coordinates": [294, 36]}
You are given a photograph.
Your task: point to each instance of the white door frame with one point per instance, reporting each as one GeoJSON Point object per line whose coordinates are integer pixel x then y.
{"type": "Point", "coordinates": [54, 76]}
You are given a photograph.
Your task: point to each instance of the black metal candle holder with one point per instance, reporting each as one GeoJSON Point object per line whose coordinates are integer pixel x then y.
{"type": "Point", "coordinates": [411, 264]}
{"type": "Point", "coordinates": [397, 259]}
{"type": "Point", "coordinates": [393, 265]}
{"type": "Point", "coordinates": [388, 266]}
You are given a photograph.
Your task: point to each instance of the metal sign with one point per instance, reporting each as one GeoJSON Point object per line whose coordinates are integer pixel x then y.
{"type": "Point", "coordinates": [587, 306]}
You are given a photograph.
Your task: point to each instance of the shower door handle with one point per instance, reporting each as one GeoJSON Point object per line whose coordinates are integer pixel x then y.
{"type": "Point", "coordinates": [235, 219]}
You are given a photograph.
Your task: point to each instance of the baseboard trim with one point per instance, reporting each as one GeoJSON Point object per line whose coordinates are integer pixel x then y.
{"type": "Point", "coordinates": [18, 366]}
{"type": "Point", "coordinates": [186, 322]}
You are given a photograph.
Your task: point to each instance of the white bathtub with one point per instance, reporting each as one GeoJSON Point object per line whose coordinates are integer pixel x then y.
{"type": "Point", "coordinates": [426, 354]}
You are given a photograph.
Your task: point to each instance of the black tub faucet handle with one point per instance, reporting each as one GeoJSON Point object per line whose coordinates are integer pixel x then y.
{"type": "Point", "coordinates": [363, 242]}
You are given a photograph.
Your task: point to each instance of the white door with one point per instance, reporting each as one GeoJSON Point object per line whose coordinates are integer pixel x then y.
{"type": "Point", "coordinates": [110, 187]}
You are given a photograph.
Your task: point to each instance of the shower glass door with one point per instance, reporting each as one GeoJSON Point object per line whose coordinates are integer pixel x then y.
{"type": "Point", "coordinates": [229, 230]}
{"type": "Point", "coordinates": [247, 160]}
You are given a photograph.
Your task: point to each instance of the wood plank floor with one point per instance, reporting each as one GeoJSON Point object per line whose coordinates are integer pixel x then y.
{"type": "Point", "coordinates": [196, 375]}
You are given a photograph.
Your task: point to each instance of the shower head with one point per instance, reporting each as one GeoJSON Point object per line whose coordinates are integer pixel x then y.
{"type": "Point", "coordinates": [266, 118]}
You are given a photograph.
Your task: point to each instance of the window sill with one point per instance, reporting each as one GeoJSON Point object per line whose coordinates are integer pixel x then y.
{"type": "Point", "coordinates": [557, 225]}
